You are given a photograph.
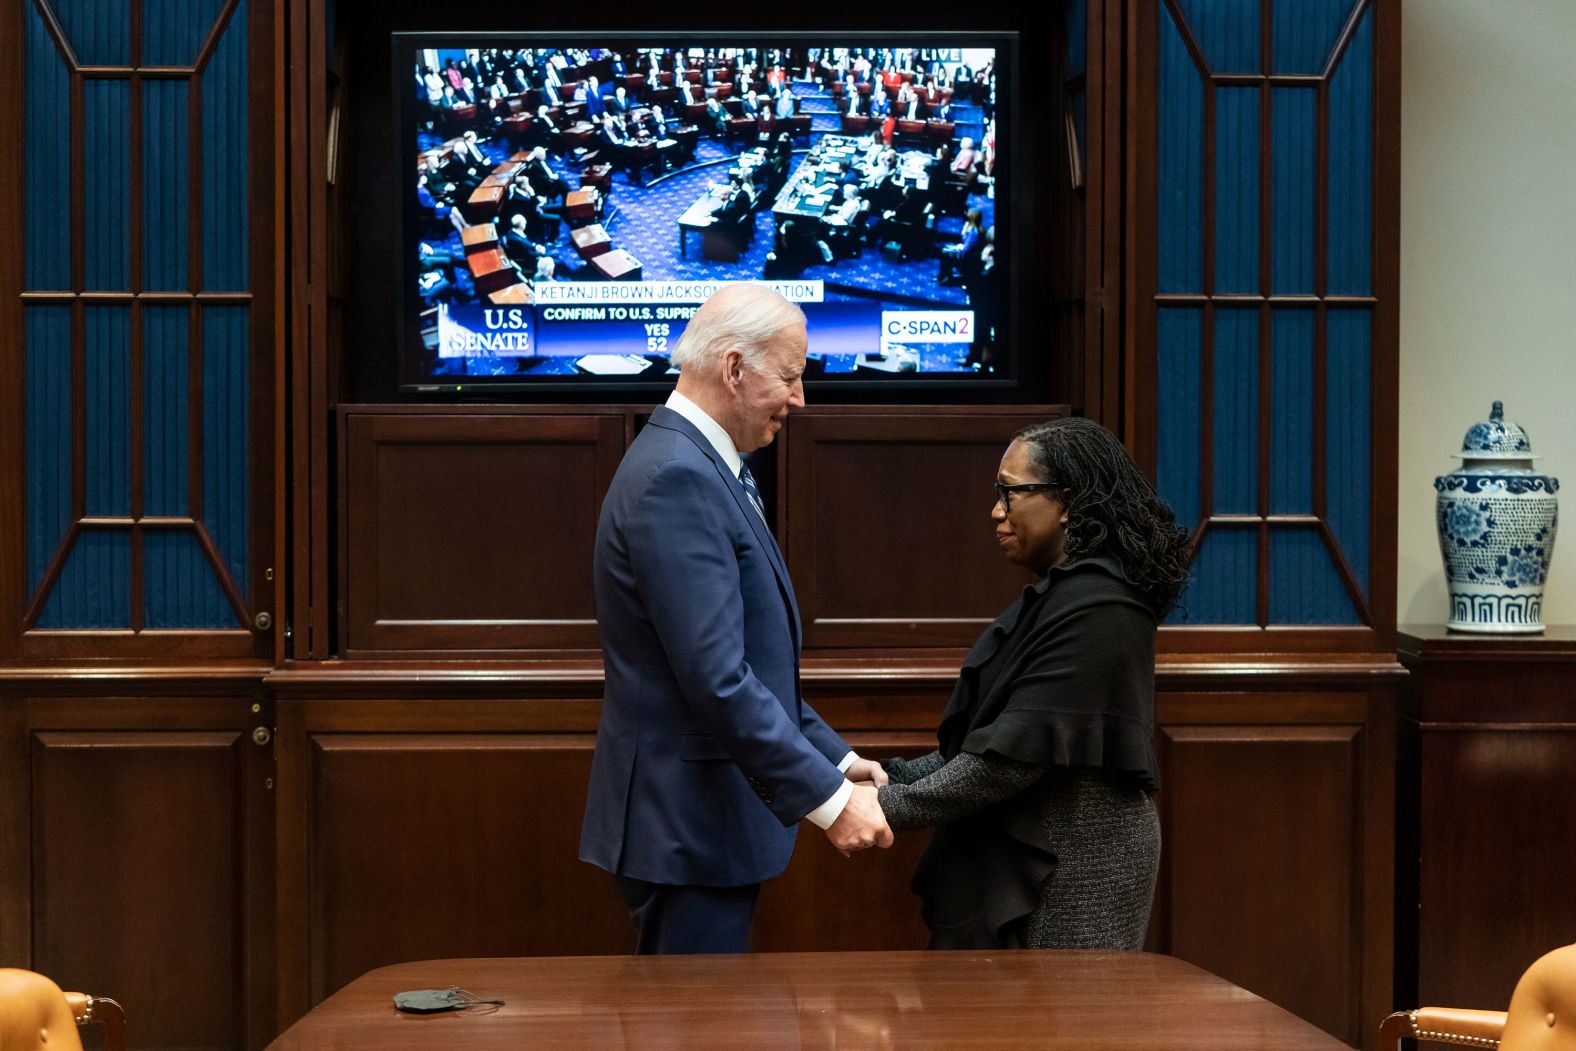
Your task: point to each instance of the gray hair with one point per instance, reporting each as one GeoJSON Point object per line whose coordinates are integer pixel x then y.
{"type": "Point", "coordinates": [747, 316]}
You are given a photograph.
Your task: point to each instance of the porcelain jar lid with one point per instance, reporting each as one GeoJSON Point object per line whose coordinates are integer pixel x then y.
{"type": "Point", "coordinates": [1496, 438]}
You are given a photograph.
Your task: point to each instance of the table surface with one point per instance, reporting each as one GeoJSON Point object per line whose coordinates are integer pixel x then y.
{"type": "Point", "coordinates": [1092, 1001]}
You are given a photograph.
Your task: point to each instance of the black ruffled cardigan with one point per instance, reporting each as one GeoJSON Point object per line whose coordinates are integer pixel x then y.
{"type": "Point", "coordinates": [1066, 677]}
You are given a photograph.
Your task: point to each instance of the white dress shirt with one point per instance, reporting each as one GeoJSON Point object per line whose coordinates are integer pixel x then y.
{"type": "Point", "coordinates": [828, 812]}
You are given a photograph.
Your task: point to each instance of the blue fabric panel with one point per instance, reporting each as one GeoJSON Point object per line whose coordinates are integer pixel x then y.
{"type": "Point", "coordinates": [107, 177]}
{"type": "Point", "coordinates": [226, 419]}
{"type": "Point", "coordinates": [1348, 433]}
{"type": "Point", "coordinates": [166, 456]}
{"type": "Point", "coordinates": [99, 31]}
{"type": "Point", "coordinates": [1305, 587]}
{"type": "Point", "coordinates": [180, 589]}
{"type": "Point", "coordinates": [1177, 438]}
{"type": "Point", "coordinates": [47, 342]}
{"type": "Point", "coordinates": [1293, 159]}
{"type": "Point", "coordinates": [166, 216]}
{"type": "Point", "coordinates": [107, 381]}
{"type": "Point", "coordinates": [1180, 238]}
{"type": "Point", "coordinates": [1237, 190]}
{"type": "Point", "coordinates": [46, 197]}
{"type": "Point", "coordinates": [1076, 32]}
{"type": "Point", "coordinates": [1351, 179]}
{"type": "Point", "coordinates": [1228, 33]}
{"type": "Point", "coordinates": [1225, 582]}
{"type": "Point", "coordinates": [94, 590]}
{"type": "Point", "coordinates": [225, 214]}
{"type": "Point", "coordinates": [173, 30]}
{"type": "Point", "coordinates": [1236, 423]}
{"type": "Point", "coordinates": [1291, 411]}
{"type": "Point", "coordinates": [1304, 33]}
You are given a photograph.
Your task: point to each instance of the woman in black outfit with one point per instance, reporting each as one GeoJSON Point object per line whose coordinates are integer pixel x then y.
{"type": "Point", "coordinates": [1047, 836]}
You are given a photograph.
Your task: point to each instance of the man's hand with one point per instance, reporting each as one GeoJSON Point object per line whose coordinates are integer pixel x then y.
{"type": "Point", "coordinates": [861, 825]}
{"type": "Point", "coordinates": [866, 770]}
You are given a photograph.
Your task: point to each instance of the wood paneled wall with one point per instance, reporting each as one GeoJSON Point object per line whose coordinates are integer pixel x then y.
{"type": "Point", "coordinates": [172, 840]}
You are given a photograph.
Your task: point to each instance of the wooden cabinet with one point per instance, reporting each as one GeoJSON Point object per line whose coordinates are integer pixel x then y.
{"type": "Point", "coordinates": [1491, 744]}
{"type": "Point", "coordinates": [136, 850]}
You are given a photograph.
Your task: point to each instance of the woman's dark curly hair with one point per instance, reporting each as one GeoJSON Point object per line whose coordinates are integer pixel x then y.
{"type": "Point", "coordinates": [1112, 509]}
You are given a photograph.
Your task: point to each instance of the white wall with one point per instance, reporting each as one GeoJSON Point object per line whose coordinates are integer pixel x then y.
{"type": "Point", "coordinates": [1488, 260]}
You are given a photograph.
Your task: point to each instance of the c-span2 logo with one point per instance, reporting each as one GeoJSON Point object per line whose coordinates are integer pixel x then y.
{"type": "Point", "coordinates": [911, 328]}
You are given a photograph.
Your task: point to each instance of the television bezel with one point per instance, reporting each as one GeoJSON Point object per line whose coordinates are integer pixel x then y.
{"type": "Point", "coordinates": [916, 387]}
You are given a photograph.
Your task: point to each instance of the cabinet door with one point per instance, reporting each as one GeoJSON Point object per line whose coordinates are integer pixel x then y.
{"type": "Point", "coordinates": [1262, 291]}
{"type": "Point", "coordinates": [136, 339]}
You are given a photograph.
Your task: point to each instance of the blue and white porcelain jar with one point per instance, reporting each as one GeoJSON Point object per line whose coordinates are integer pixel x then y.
{"type": "Point", "coordinates": [1497, 518]}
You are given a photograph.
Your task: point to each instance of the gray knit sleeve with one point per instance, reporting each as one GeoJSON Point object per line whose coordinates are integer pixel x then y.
{"type": "Point", "coordinates": [907, 771]}
{"type": "Point", "coordinates": [961, 786]}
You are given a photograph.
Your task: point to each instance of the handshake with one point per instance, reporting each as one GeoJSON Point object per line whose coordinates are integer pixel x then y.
{"type": "Point", "coordinates": [861, 825]}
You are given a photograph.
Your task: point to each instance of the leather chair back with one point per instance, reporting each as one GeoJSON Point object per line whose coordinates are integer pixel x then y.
{"type": "Point", "coordinates": [1542, 1014]}
{"type": "Point", "coordinates": [34, 1015]}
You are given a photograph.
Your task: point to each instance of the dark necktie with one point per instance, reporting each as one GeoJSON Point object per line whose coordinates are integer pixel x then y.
{"type": "Point", "coordinates": [747, 480]}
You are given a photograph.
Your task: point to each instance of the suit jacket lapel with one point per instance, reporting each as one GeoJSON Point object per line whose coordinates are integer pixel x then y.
{"type": "Point", "coordinates": [663, 416]}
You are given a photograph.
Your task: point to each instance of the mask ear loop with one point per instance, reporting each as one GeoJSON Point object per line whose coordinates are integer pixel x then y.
{"type": "Point", "coordinates": [472, 1000]}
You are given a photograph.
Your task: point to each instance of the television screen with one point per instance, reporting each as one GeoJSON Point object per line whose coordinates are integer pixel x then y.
{"type": "Point", "coordinates": [570, 202]}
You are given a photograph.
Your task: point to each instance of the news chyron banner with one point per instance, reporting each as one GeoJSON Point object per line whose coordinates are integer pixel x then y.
{"type": "Point", "coordinates": [603, 322]}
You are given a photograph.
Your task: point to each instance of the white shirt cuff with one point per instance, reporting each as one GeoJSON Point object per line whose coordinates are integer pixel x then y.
{"type": "Point", "coordinates": [829, 811]}
{"type": "Point", "coordinates": [848, 761]}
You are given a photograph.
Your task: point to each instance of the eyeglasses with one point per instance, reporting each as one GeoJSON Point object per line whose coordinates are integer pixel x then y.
{"type": "Point", "coordinates": [1004, 492]}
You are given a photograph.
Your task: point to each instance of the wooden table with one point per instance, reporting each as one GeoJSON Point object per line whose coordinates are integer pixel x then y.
{"type": "Point", "coordinates": [1089, 1001]}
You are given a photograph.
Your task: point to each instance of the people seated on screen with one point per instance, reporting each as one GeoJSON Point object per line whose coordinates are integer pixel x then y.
{"type": "Point", "coordinates": [735, 208]}
{"type": "Point", "coordinates": [434, 85]}
{"type": "Point", "coordinates": [436, 279]}
{"type": "Point", "coordinates": [462, 176]}
{"type": "Point", "coordinates": [879, 106]}
{"type": "Point", "coordinates": [689, 94]}
{"type": "Point", "coordinates": [470, 151]}
{"type": "Point", "coordinates": [984, 287]}
{"type": "Point", "coordinates": [908, 105]}
{"type": "Point", "coordinates": [716, 118]}
{"type": "Point", "coordinates": [657, 122]}
{"type": "Point", "coordinates": [521, 250]}
{"type": "Point", "coordinates": [619, 102]}
{"type": "Point", "coordinates": [962, 164]}
{"type": "Point", "coordinates": [787, 103]}
{"type": "Point", "coordinates": [541, 131]}
{"type": "Point", "coordinates": [542, 175]}
{"type": "Point", "coordinates": [499, 88]}
{"type": "Point", "coordinates": [960, 261]}
{"type": "Point", "coordinates": [590, 94]}
{"type": "Point", "coordinates": [438, 183]}
{"type": "Point", "coordinates": [522, 200]}
{"type": "Point", "coordinates": [883, 183]}
{"type": "Point", "coordinates": [751, 106]}
{"type": "Point", "coordinates": [796, 246]}
{"type": "Point", "coordinates": [908, 225]}
{"type": "Point", "coordinates": [845, 223]}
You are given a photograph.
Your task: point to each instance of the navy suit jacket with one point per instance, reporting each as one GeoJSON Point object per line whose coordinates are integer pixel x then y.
{"type": "Point", "coordinates": [706, 755]}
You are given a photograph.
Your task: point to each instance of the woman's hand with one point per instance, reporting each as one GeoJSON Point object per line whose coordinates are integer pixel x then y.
{"type": "Point", "coordinates": [866, 770]}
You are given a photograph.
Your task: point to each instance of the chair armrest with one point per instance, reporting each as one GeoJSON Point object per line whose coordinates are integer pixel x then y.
{"type": "Point", "coordinates": [1443, 1025]}
{"type": "Point", "coordinates": [99, 1010]}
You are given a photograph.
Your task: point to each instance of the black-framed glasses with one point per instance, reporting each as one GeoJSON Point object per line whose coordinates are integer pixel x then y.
{"type": "Point", "coordinates": [1004, 491]}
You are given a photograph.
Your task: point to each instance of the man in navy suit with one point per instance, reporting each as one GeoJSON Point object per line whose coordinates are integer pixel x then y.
{"type": "Point", "coordinates": [706, 756]}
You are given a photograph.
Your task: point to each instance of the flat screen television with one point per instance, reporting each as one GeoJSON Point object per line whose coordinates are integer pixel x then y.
{"type": "Point", "coordinates": [571, 199]}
